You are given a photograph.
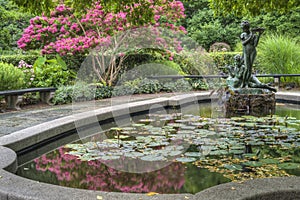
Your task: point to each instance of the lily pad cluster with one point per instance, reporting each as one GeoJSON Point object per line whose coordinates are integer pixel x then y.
{"type": "Point", "coordinates": [241, 148]}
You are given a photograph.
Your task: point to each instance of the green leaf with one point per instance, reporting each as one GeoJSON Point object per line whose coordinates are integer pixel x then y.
{"type": "Point", "coordinates": [289, 165]}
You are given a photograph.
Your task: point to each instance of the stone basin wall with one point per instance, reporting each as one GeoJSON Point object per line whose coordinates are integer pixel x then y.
{"type": "Point", "coordinates": [240, 103]}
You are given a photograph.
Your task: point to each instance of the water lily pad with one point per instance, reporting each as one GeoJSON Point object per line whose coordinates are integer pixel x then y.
{"type": "Point", "coordinates": [289, 165]}
{"type": "Point", "coordinates": [171, 153]}
{"type": "Point", "coordinates": [75, 153]}
{"type": "Point", "coordinates": [193, 154]}
{"type": "Point", "coordinates": [237, 147]}
{"type": "Point", "coordinates": [253, 164]}
{"type": "Point", "coordinates": [269, 161]}
{"type": "Point", "coordinates": [88, 158]}
{"type": "Point", "coordinates": [138, 125]}
{"type": "Point", "coordinates": [233, 167]}
{"type": "Point", "coordinates": [153, 158]}
{"type": "Point", "coordinates": [219, 152]}
{"type": "Point", "coordinates": [157, 144]}
{"type": "Point", "coordinates": [128, 128]}
{"type": "Point", "coordinates": [236, 152]}
{"type": "Point", "coordinates": [122, 137]}
{"type": "Point", "coordinates": [238, 119]}
{"type": "Point", "coordinates": [175, 125]}
{"type": "Point", "coordinates": [74, 146]}
{"type": "Point", "coordinates": [174, 147]}
{"type": "Point", "coordinates": [186, 159]}
{"type": "Point", "coordinates": [133, 154]}
{"type": "Point", "coordinates": [110, 157]}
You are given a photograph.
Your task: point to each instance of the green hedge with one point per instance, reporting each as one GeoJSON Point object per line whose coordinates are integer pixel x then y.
{"type": "Point", "coordinates": [15, 59]}
{"type": "Point", "coordinates": [221, 59]}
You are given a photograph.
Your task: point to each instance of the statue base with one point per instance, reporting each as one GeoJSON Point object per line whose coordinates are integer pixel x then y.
{"type": "Point", "coordinates": [250, 101]}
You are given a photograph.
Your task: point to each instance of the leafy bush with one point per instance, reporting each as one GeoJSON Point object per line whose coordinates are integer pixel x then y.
{"type": "Point", "coordinates": [51, 73]}
{"type": "Point", "coordinates": [280, 55]}
{"type": "Point", "coordinates": [170, 67]}
{"type": "Point", "coordinates": [196, 62]}
{"type": "Point", "coordinates": [199, 84]}
{"type": "Point", "coordinates": [10, 77]}
{"type": "Point", "coordinates": [276, 22]}
{"type": "Point", "coordinates": [146, 70]}
{"type": "Point", "coordinates": [206, 29]}
{"type": "Point", "coordinates": [103, 91]}
{"type": "Point", "coordinates": [137, 86]}
{"type": "Point", "coordinates": [63, 95]}
{"type": "Point", "coordinates": [123, 90]}
{"type": "Point", "coordinates": [79, 92]}
{"type": "Point", "coordinates": [221, 59]}
{"type": "Point", "coordinates": [177, 86]}
{"type": "Point", "coordinates": [148, 86]}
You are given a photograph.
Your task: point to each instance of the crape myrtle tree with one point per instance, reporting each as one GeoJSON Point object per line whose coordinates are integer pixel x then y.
{"type": "Point", "coordinates": [69, 31]}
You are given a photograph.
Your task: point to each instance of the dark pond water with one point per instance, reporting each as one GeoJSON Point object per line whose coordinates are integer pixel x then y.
{"type": "Point", "coordinates": [176, 153]}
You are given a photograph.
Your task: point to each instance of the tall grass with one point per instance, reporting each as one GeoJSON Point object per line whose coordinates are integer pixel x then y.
{"type": "Point", "coordinates": [280, 55]}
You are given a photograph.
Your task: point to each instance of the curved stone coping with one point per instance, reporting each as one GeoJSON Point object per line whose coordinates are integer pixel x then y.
{"type": "Point", "coordinates": [29, 136]}
{"type": "Point", "coordinates": [262, 189]}
{"type": "Point", "coordinates": [8, 159]}
{"type": "Point", "coordinates": [13, 187]}
{"type": "Point", "coordinates": [289, 97]}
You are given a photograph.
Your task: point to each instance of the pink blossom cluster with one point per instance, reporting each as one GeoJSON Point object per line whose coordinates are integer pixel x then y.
{"type": "Point", "coordinates": [28, 72]}
{"type": "Point", "coordinates": [63, 33]}
{"type": "Point", "coordinates": [94, 175]}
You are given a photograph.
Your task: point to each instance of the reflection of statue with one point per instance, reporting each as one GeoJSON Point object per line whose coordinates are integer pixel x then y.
{"type": "Point", "coordinates": [237, 74]}
{"type": "Point", "coordinates": [249, 41]}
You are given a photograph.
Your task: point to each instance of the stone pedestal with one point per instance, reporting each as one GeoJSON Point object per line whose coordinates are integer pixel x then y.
{"type": "Point", "coordinates": [256, 102]}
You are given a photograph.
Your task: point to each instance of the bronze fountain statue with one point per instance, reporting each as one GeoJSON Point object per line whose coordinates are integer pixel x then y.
{"type": "Point", "coordinates": [240, 74]}
{"type": "Point", "coordinates": [247, 95]}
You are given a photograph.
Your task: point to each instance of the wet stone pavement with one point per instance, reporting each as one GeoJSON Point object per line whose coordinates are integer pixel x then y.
{"type": "Point", "coordinates": [34, 115]}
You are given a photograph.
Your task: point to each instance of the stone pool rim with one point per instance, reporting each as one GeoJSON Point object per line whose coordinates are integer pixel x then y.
{"type": "Point", "coordinates": [14, 187]}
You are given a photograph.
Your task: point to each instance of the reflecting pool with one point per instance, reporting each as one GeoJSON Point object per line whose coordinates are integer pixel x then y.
{"type": "Point", "coordinates": [176, 153]}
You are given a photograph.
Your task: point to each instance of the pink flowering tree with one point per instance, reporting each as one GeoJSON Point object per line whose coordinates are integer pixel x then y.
{"type": "Point", "coordinates": [106, 32]}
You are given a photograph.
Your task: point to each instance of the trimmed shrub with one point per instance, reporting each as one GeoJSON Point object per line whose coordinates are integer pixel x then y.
{"type": "Point", "coordinates": [81, 92]}
{"type": "Point", "coordinates": [180, 85]}
{"type": "Point", "coordinates": [10, 77]}
{"type": "Point", "coordinates": [221, 59]}
{"type": "Point", "coordinates": [16, 58]}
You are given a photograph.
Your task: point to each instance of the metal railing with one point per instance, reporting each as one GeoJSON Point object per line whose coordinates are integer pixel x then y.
{"type": "Point", "coordinates": [276, 77]}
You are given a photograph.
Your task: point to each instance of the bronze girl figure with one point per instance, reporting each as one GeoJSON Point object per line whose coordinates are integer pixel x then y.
{"type": "Point", "coordinates": [249, 41]}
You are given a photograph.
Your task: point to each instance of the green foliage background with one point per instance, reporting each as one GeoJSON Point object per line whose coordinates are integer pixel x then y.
{"type": "Point", "coordinates": [13, 21]}
{"type": "Point", "coordinates": [205, 22]}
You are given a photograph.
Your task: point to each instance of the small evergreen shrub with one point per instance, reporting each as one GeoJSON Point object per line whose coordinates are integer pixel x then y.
{"type": "Point", "coordinates": [148, 86]}
{"type": "Point", "coordinates": [10, 77]}
{"type": "Point", "coordinates": [180, 85]}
